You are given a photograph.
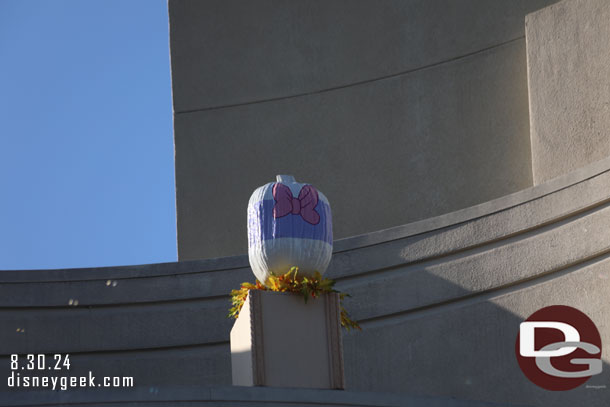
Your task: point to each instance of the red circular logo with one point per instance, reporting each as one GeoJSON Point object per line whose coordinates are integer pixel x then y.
{"type": "Point", "coordinates": [559, 348]}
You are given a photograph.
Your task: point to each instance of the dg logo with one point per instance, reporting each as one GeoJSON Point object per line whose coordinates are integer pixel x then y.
{"type": "Point", "coordinates": [559, 348]}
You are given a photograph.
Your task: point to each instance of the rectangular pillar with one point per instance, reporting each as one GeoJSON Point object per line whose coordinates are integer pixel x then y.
{"type": "Point", "coordinates": [280, 341]}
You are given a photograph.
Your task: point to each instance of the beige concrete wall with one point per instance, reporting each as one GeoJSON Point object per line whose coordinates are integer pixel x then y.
{"type": "Point", "coordinates": [396, 110]}
{"type": "Point", "coordinates": [568, 47]}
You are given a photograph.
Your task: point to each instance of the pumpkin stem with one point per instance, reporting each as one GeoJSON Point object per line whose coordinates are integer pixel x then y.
{"type": "Point", "coordinates": [285, 179]}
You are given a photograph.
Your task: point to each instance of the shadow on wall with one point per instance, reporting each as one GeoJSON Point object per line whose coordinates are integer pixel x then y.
{"type": "Point", "coordinates": [465, 348]}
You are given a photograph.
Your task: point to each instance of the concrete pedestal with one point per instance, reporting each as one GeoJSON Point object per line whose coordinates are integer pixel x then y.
{"type": "Point", "coordinates": [280, 341]}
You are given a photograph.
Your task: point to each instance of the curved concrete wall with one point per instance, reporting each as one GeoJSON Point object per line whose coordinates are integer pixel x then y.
{"type": "Point", "coordinates": [568, 48]}
{"type": "Point", "coordinates": [440, 301]}
{"type": "Point", "coordinates": [231, 52]}
{"type": "Point", "coordinates": [418, 102]}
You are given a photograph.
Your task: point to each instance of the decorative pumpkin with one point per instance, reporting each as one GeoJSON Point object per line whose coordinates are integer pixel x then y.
{"type": "Point", "coordinates": [289, 224]}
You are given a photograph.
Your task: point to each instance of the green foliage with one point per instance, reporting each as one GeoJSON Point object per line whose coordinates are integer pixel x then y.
{"type": "Point", "coordinates": [291, 282]}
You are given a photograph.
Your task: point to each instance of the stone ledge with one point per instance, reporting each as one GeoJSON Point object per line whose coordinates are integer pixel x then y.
{"type": "Point", "coordinates": [233, 396]}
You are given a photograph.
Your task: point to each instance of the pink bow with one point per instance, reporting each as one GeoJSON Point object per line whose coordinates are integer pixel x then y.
{"type": "Point", "coordinates": [303, 205]}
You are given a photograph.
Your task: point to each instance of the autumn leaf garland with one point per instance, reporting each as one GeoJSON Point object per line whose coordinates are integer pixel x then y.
{"type": "Point", "coordinates": [293, 283]}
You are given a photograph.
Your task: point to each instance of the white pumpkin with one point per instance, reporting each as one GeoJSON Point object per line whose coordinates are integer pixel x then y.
{"type": "Point", "coordinates": [289, 224]}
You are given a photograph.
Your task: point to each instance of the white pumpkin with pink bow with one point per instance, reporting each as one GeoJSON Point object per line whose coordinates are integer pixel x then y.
{"type": "Point", "coordinates": [289, 224]}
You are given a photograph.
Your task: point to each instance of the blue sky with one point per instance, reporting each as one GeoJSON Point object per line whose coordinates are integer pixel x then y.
{"type": "Point", "coordinates": [86, 142]}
